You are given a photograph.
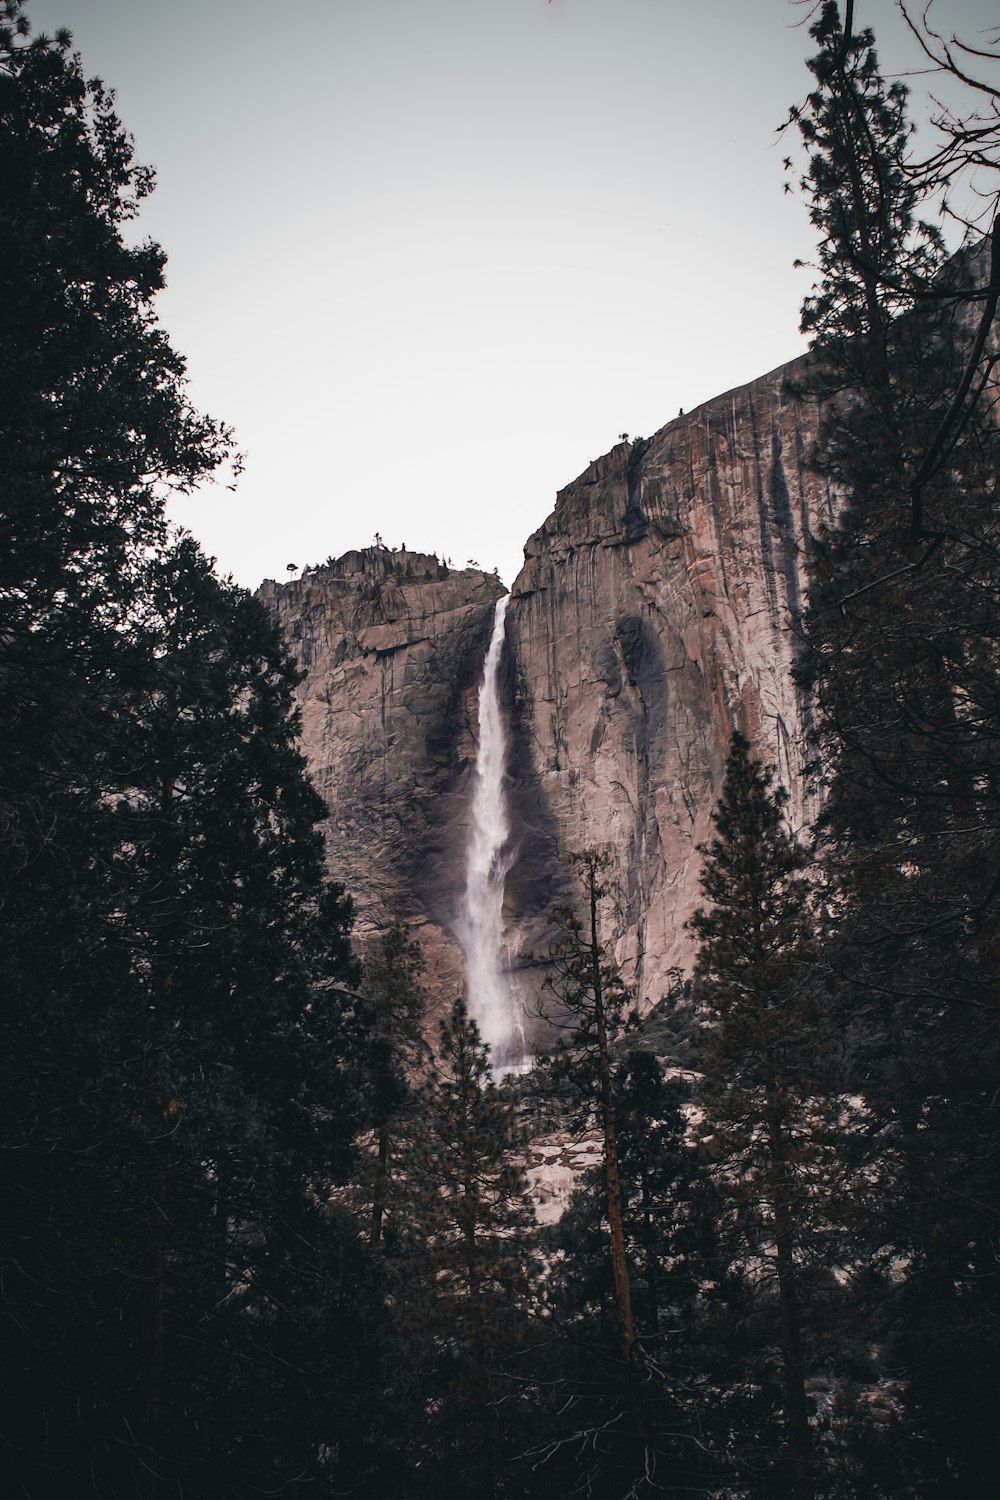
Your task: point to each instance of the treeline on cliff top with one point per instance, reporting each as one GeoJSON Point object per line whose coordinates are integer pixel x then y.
{"type": "Point", "coordinates": [258, 1233]}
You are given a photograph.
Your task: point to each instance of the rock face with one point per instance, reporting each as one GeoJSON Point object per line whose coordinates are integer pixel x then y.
{"type": "Point", "coordinates": [392, 646]}
{"type": "Point", "coordinates": [655, 612]}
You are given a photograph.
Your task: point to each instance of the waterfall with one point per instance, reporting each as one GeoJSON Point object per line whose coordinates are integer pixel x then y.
{"type": "Point", "coordinates": [488, 858]}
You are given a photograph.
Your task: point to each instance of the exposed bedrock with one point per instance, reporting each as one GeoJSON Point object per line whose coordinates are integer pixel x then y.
{"type": "Point", "coordinates": [392, 646]}
{"type": "Point", "coordinates": [657, 609]}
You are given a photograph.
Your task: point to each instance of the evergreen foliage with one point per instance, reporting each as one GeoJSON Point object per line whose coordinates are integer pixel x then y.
{"type": "Point", "coordinates": [766, 1062]}
{"type": "Point", "coordinates": [461, 1265]}
{"type": "Point", "coordinates": [178, 1069]}
{"type": "Point", "coordinates": [873, 250]}
{"type": "Point", "coordinates": [902, 657]}
{"type": "Point", "coordinates": [628, 1378]}
{"type": "Point", "coordinates": [672, 1431]}
{"type": "Point", "coordinates": [399, 1057]}
{"type": "Point", "coordinates": [590, 1004]}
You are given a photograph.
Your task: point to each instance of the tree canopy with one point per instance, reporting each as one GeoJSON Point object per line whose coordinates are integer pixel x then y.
{"type": "Point", "coordinates": [178, 1071]}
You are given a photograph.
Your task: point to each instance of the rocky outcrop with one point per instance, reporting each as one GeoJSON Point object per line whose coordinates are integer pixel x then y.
{"type": "Point", "coordinates": [656, 611]}
{"type": "Point", "coordinates": [392, 647]}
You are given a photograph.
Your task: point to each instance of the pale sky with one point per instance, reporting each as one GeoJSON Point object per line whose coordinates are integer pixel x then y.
{"type": "Point", "coordinates": [429, 258]}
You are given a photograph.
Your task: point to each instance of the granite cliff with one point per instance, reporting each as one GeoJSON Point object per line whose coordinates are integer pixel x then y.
{"type": "Point", "coordinates": [656, 610]}
{"type": "Point", "coordinates": [392, 646]}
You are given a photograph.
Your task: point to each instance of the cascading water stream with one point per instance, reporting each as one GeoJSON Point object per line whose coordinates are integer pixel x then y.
{"type": "Point", "coordinates": [488, 859]}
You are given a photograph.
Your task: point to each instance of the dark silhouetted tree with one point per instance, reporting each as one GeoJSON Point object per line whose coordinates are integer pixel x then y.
{"type": "Point", "coordinates": [766, 1061]}
{"type": "Point", "coordinates": [591, 1003]}
{"type": "Point", "coordinates": [399, 1052]}
{"type": "Point", "coordinates": [463, 1265]}
{"type": "Point", "coordinates": [673, 1435]}
{"type": "Point", "coordinates": [903, 656]}
{"type": "Point", "coordinates": [178, 1058]}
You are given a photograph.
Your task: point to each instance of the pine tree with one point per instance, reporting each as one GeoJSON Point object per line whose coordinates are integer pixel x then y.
{"type": "Point", "coordinates": [188, 1075]}
{"type": "Point", "coordinates": [590, 1004]}
{"type": "Point", "coordinates": [766, 1062]}
{"type": "Point", "coordinates": [874, 252]}
{"type": "Point", "coordinates": [399, 1052]}
{"type": "Point", "coordinates": [901, 654]}
{"type": "Point", "coordinates": [672, 1435]}
{"type": "Point", "coordinates": [178, 1058]}
{"type": "Point", "coordinates": [629, 1407]}
{"type": "Point", "coordinates": [462, 1266]}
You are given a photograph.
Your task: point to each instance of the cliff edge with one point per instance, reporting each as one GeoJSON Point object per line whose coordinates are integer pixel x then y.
{"type": "Point", "coordinates": [392, 647]}
{"type": "Point", "coordinates": [657, 610]}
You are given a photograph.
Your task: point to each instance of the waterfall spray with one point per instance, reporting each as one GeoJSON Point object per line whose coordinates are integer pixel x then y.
{"type": "Point", "coordinates": [488, 859]}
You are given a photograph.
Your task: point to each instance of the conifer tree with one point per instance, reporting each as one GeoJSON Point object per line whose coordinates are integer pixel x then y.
{"type": "Point", "coordinates": [630, 1405]}
{"type": "Point", "coordinates": [873, 250]}
{"type": "Point", "coordinates": [399, 1052]}
{"type": "Point", "coordinates": [590, 1003]}
{"type": "Point", "coordinates": [463, 1267]}
{"type": "Point", "coordinates": [472, 1130]}
{"type": "Point", "coordinates": [673, 1436]}
{"type": "Point", "coordinates": [183, 1081]}
{"type": "Point", "coordinates": [766, 1061]}
{"type": "Point", "coordinates": [177, 1068]}
{"type": "Point", "coordinates": [901, 655]}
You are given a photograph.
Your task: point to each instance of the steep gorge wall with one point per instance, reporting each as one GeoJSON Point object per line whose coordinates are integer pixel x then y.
{"type": "Point", "coordinates": [656, 611]}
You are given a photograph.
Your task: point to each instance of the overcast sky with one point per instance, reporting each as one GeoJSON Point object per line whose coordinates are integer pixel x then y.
{"type": "Point", "coordinates": [430, 257]}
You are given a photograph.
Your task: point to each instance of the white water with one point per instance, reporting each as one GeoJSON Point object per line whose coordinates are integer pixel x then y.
{"type": "Point", "coordinates": [488, 858]}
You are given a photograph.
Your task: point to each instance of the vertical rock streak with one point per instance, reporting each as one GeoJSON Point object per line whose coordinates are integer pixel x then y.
{"type": "Point", "coordinates": [488, 859]}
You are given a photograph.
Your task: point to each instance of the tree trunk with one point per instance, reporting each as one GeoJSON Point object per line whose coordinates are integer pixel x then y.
{"type": "Point", "coordinates": [151, 1348]}
{"type": "Point", "coordinates": [793, 1361]}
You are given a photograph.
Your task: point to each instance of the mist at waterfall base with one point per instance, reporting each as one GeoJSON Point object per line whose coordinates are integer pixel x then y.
{"type": "Point", "coordinates": [491, 996]}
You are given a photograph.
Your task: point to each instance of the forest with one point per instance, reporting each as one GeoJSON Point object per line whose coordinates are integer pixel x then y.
{"type": "Point", "coordinates": [265, 1226]}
